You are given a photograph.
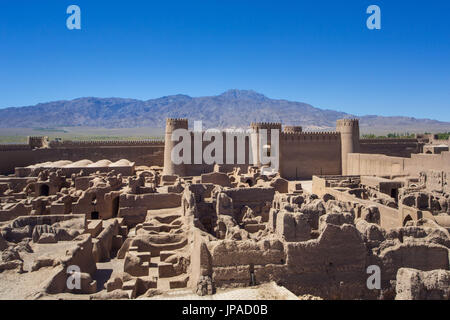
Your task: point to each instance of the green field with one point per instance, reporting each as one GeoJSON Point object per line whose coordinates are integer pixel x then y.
{"type": "Point", "coordinates": [19, 135]}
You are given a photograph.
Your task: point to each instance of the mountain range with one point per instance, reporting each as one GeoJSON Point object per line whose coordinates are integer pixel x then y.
{"type": "Point", "coordinates": [233, 108]}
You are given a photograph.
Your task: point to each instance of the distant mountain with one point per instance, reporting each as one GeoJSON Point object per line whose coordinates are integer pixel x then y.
{"type": "Point", "coordinates": [233, 108]}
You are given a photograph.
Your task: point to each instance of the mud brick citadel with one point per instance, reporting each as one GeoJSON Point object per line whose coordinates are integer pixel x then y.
{"type": "Point", "coordinates": [139, 226]}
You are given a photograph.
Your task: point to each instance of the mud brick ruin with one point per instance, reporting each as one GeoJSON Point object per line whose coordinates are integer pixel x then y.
{"type": "Point", "coordinates": [139, 226]}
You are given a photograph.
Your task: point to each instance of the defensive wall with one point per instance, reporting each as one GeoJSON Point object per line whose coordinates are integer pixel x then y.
{"type": "Point", "coordinates": [141, 152]}
{"type": "Point", "coordinates": [391, 147]}
{"type": "Point", "coordinates": [377, 164]}
{"type": "Point", "coordinates": [302, 154]}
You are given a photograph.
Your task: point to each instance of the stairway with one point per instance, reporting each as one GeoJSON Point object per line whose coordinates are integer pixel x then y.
{"type": "Point", "coordinates": [163, 271]}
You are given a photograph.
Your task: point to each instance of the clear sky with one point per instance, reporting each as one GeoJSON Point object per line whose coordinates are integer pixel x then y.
{"type": "Point", "coordinates": [319, 52]}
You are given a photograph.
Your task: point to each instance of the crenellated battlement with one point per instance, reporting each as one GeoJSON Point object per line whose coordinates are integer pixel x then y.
{"type": "Point", "coordinates": [292, 129]}
{"type": "Point", "coordinates": [265, 124]}
{"type": "Point", "coordinates": [225, 133]}
{"type": "Point", "coordinates": [389, 140]}
{"type": "Point", "coordinates": [106, 143]}
{"type": "Point", "coordinates": [347, 122]}
{"type": "Point", "coordinates": [310, 135]}
{"type": "Point", "coordinates": [14, 147]}
{"type": "Point", "coordinates": [37, 141]}
{"type": "Point", "coordinates": [176, 121]}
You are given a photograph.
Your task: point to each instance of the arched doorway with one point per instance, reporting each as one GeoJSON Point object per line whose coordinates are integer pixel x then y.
{"type": "Point", "coordinates": [407, 219]}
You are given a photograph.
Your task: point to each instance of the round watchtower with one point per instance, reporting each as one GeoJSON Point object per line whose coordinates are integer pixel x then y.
{"type": "Point", "coordinates": [349, 130]}
{"type": "Point", "coordinates": [169, 167]}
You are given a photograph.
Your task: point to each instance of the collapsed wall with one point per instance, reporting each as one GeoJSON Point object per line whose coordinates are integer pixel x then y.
{"type": "Point", "coordinates": [313, 246]}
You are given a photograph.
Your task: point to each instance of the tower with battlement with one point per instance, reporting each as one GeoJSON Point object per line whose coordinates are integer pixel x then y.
{"type": "Point", "coordinates": [301, 154]}
{"type": "Point", "coordinates": [37, 142]}
{"type": "Point", "coordinates": [349, 130]}
{"type": "Point", "coordinates": [169, 167]}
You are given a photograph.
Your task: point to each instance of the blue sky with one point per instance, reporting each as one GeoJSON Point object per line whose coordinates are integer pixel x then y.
{"type": "Point", "coordinates": [319, 52]}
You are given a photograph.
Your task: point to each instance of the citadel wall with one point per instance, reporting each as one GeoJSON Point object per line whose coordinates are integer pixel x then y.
{"type": "Point", "coordinates": [302, 154]}
{"type": "Point", "coordinates": [229, 161]}
{"type": "Point", "coordinates": [194, 166]}
{"type": "Point", "coordinates": [391, 147]}
{"type": "Point", "coordinates": [305, 154]}
{"type": "Point", "coordinates": [377, 164]}
{"type": "Point", "coordinates": [140, 152]}
{"type": "Point", "coordinates": [418, 162]}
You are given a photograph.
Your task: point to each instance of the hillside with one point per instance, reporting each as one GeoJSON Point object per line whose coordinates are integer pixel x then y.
{"type": "Point", "coordinates": [234, 108]}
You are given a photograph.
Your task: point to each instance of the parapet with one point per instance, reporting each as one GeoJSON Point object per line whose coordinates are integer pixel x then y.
{"type": "Point", "coordinates": [104, 143]}
{"type": "Point", "coordinates": [265, 125]}
{"type": "Point", "coordinates": [289, 129]}
{"type": "Point", "coordinates": [177, 123]}
{"type": "Point", "coordinates": [14, 147]}
{"type": "Point", "coordinates": [347, 122]}
{"type": "Point", "coordinates": [37, 142]}
{"type": "Point", "coordinates": [388, 140]}
{"type": "Point", "coordinates": [310, 136]}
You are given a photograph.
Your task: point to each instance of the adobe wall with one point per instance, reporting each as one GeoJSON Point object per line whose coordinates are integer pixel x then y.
{"type": "Point", "coordinates": [233, 262]}
{"type": "Point", "coordinates": [332, 266]}
{"type": "Point", "coordinates": [133, 208]}
{"type": "Point", "coordinates": [150, 154]}
{"type": "Point", "coordinates": [151, 200]}
{"type": "Point", "coordinates": [376, 164]}
{"type": "Point", "coordinates": [421, 162]}
{"type": "Point", "coordinates": [15, 158]}
{"type": "Point", "coordinates": [255, 198]}
{"type": "Point", "coordinates": [193, 169]}
{"type": "Point", "coordinates": [105, 143]}
{"type": "Point", "coordinates": [390, 217]}
{"type": "Point", "coordinates": [81, 256]}
{"type": "Point", "coordinates": [391, 147]}
{"type": "Point", "coordinates": [437, 181]}
{"type": "Point", "coordinates": [303, 155]}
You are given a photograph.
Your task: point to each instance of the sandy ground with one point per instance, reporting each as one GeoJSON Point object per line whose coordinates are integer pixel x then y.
{"type": "Point", "coordinates": [267, 291]}
{"type": "Point", "coordinates": [306, 185]}
{"type": "Point", "coordinates": [25, 285]}
{"type": "Point", "coordinates": [14, 286]}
